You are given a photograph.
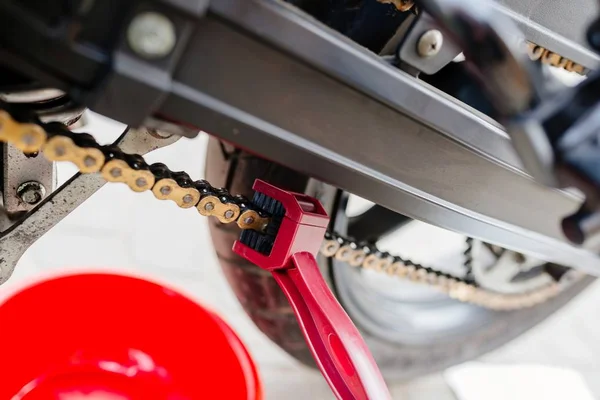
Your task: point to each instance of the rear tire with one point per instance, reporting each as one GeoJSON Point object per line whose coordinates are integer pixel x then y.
{"type": "Point", "coordinates": [266, 305]}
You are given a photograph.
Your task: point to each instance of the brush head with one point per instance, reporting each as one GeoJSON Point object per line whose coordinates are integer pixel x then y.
{"type": "Point", "coordinates": [263, 241]}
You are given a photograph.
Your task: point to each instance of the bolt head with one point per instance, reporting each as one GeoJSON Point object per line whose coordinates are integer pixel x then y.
{"type": "Point", "coordinates": [151, 35]}
{"type": "Point", "coordinates": [430, 43]}
{"type": "Point", "coordinates": [31, 192]}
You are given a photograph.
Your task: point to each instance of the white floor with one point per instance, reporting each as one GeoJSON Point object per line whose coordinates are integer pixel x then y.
{"type": "Point", "coordinates": [120, 230]}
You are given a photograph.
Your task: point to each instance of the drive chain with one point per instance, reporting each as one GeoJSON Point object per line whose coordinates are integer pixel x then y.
{"type": "Point", "coordinates": [58, 143]}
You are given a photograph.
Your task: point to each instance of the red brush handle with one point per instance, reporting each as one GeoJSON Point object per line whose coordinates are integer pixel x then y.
{"type": "Point", "coordinates": [337, 346]}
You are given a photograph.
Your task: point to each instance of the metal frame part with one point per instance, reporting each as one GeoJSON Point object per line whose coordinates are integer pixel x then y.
{"type": "Point", "coordinates": [16, 239]}
{"type": "Point", "coordinates": [19, 168]}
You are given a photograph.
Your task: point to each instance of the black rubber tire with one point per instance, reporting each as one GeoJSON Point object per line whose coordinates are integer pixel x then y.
{"type": "Point", "coordinates": [264, 302]}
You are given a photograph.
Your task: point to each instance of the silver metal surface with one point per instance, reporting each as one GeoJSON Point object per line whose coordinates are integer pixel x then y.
{"type": "Point", "coordinates": [68, 116]}
{"type": "Point", "coordinates": [151, 35]}
{"type": "Point", "coordinates": [425, 49]}
{"type": "Point", "coordinates": [31, 192]}
{"type": "Point", "coordinates": [19, 168]}
{"type": "Point", "coordinates": [371, 145]}
{"type": "Point", "coordinates": [44, 101]}
{"type": "Point", "coordinates": [24, 232]}
{"type": "Point", "coordinates": [31, 96]}
{"type": "Point", "coordinates": [531, 142]}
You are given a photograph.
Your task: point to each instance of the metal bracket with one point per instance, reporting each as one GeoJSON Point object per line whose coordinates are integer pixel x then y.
{"type": "Point", "coordinates": [424, 32]}
{"type": "Point", "coordinates": [15, 240]}
{"type": "Point", "coordinates": [18, 169]}
{"type": "Point", "coordinates": [156, 37]}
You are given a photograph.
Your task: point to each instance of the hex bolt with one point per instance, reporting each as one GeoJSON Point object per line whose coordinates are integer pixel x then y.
{"type": "Point", "coordinates": [31, 192]}
{"type": "Point", "coordinates": [430, 43]}
{"type": "Point", "coordinates": [151, 35]}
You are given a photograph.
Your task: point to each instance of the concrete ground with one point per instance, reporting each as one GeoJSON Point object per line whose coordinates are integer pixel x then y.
{"type": "Point", "coordinates": [128, 232]}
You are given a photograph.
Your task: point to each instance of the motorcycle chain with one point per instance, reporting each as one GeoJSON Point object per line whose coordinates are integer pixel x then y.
{"type": "Point", "coordinates": [58, 143]}
{"type": "Point", "coordinates": [548, 57]}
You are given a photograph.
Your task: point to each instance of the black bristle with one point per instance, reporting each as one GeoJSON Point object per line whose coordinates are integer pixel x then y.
{"type": "Point", "coordinates": [263, 241]}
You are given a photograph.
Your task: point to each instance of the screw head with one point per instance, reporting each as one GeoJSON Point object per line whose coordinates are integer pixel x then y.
{"type": "Point", "coordinates": [151, 35]}
{"type": "Point", "coordinates": [31, 192]}
{"type": "Point", "coordinates": [430, 43]}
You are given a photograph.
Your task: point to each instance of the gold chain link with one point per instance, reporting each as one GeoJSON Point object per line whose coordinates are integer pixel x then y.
{"type": "Point", "coordinates": [545, 56]}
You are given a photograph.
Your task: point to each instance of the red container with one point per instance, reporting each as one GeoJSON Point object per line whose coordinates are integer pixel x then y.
{"type": "Point", "coordinates": [111, 337]}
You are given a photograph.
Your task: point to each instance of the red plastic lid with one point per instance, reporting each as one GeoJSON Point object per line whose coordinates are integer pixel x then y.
{"type": "Point", "coordinates": [111, 337]}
